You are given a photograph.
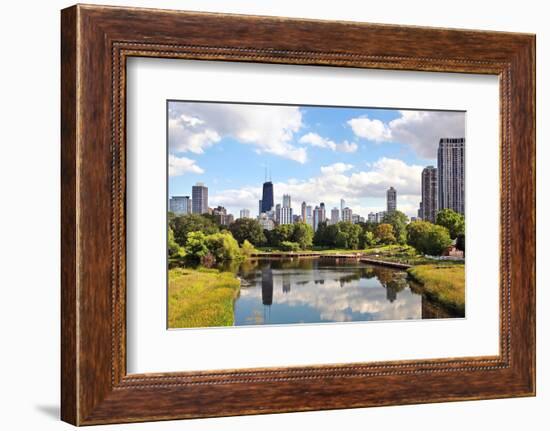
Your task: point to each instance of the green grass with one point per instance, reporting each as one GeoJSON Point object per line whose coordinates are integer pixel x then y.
{"type": "Point", "coordinates": [201, 297]}
{"type": "Point", "coordinates": [442, 283]}
{"type": "Point", "coordinates": [397, 253]}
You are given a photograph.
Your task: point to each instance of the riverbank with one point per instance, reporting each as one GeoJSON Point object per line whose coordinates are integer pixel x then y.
{"type": "Point", "coordinates": [442, 283]}
{"type": "Point", "coordinates": [201, 297]}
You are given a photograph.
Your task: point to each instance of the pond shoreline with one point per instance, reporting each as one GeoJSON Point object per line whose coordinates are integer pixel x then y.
{"type": "Point", "coordinates": [360, 257]}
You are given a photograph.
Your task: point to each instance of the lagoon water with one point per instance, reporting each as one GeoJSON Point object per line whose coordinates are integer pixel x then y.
{"type": "Point", "coordinates": [277, 292]}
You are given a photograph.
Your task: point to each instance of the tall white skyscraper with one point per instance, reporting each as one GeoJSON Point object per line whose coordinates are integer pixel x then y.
{"type": "Point", "coordinates": [347, 214]}
{"type": "Point", "coordinates": [342, 206]}
{"type": "Point", "coordinates": [244, 213]}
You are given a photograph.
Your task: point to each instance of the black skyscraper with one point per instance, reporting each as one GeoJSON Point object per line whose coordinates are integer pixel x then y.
{"type": "Point", "coordinates": [267, 197]}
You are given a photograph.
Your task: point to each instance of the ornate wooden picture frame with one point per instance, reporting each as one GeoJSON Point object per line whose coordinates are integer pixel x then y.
{"type": "Point", "coordinates": [96, 41]}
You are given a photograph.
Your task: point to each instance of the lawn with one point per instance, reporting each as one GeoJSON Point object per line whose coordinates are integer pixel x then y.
{"type": "Point", "coordinates": [442, 283]}
{"type": "Point", "coordinates": [201, 297]}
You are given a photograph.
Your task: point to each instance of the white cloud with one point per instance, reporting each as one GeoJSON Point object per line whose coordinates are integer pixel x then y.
{"type": "Point", "coordinates": [336, 168]}
{"type": "Point", "coordinates": [193, 127]}
{"type": "Point", "coordinates": [421, 130]}
{"type": "Point", "coordinates": [181, 165]}
{"type": "Point", "coordinates": [373, 130]}
{"type": "Point", "coordinates": [316, 140]}
{"type": "Point", "coordinates": [336, 181]}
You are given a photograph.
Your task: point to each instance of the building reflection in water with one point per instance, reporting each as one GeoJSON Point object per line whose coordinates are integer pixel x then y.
{"type": "Point", "coordinates": [267, 291]}
{"type": "Point", "coordinates": [286, 282]}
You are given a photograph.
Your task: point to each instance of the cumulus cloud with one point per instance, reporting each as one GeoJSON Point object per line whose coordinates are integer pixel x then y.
{"type": "Point", "coordinates": [421, 130]}
{"type": "Point", "coordinates": [181, 165]}
{"type": "Point", "coordinates": [193, 127]}
{"type": "Point", "coordinates": [316, 140]}
{"type": "Point", "coordinates": [337, 181]}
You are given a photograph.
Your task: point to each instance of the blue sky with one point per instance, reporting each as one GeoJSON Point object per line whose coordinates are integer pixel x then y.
{"type": "Point", "coordinates": [316, 154]}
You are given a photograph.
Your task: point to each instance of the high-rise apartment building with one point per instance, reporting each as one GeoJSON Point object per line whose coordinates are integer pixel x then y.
{"type": "Point", "coordinates": [334, 215]}
{"type": "Point", "coordinates": [180, 205]}
{"type": "Point", "coordinates": [450, 174]}
{"type": "Point", "coordinates": [347, 215]}
{"type": "Point", "coordinates": [199, 195]}
{"type": "Point", "coordinates": [284, 213]}
{"type": "Point", "coordinates": [318, 216]}
{"type": "Point", "coordinates": [429, 194]}
{"type": "Point", "coordinates": [342, 206]}
{"type": "Point", "coordinates": [303, 212]}
{"type": "Point", "coordinates": [391, 199]}
{"type": "Point", "coordinates": [244, 213]}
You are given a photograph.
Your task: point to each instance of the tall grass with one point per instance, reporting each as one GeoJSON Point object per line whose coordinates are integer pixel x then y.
{"type": "Point", "coordinates": [442, 283]}
{"type": "Point", "coordinates": [201, 297]}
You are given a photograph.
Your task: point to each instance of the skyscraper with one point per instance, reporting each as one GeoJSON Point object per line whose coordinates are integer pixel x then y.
{"type": "Point", "coordinates": [309, 215]}
{"type": "Point", "coordinates": [304, 212]}
{"type": "Point", "coordinates": [199, 193]}
{"type": "Point", "coordinates": [318, 216]}
{"type": "Point", "coordinates": [429, 194]}
{"type": "Point", "coordinates": [347, 214]}
{"type": "Point", "coordinates": [244, 213]}
{"type": "Point", "coordinates": [267, 197]}
{"type": "Point", "coordinates": [180, 205]}
{"type": "Point", "coordinates": [259, 207]}
{"type": "Point", "coordinates": [284, 213]}
{"type": "Point", "coordinates": [391, 199]}
{"type": "Point", "coordinates": [342, 206]}
{"type": "Point", "coordinates": [450, 174]}
{"type": "Point", "coordinates": [334, 215]}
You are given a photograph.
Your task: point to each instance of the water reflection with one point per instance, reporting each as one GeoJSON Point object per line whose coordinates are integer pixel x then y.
{"type": "Point", "coordinates": [317, 290]}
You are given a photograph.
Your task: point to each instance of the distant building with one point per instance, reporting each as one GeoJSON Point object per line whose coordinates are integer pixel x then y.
{"type": "Point", "coordinates": [266, 222]}
{"type": "Point", "coordinates": [180, 205]}
{"type": "Point", "coordinates": [342, 206]}
{"type": "Point", "coordinates": [309, 215]}
{"type": "Point", "coordinates": [380, 216]}
{"type": "Point", "coordinates": [267, 197]}
{"type": "Point", "coordinates": [356, 218]}
{"type": "Point", "coordinates": [284, 213]}
{"type": "Point", "coordinates": [260, 206]}
{"type": "Point", "coordinates": [278, 213]}
{"type": "Point", "coordinates": [221, 216]}
{"type": "Point", "coordinates": [244, 213]}
{"type": "Point", "coordinates": [391, 199]}
{"type": "Point", "coordinates": [372, 217]}
{"type": "Point", "coordinates": [421, 211]}
{"type": "Point", "coordinates": [334, 215]}
{"type": "Point", "coordinates": [319, 216]}
{"type": "Point", "coordinates": [199, 194]}
{"type": "Point", "coordinates": [347, 214]}
{"type": "Point", "coordinates": [450, 174]}
{"type": "Point", "coordinates": [304, 212]}
{"type": "Point", "coordinates": [429, 194]}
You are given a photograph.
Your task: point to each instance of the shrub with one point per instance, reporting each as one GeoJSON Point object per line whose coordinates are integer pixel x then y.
{"type": "Point", "coordinates": [289, 246]}
{"type": "Point", "coordinates": [247, 249]}
{"type": "Point", "coordinates": [223, 246]}
{"type": "Point", "coordinates": [247, 229]}
{"type": "Point", "coordinates": [428, 238]}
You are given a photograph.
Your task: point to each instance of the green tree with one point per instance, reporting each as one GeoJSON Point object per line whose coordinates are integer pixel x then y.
{"type": "Point", "coordinates": [223, 246]}
{"type": "Point", "coordinates": [384, 233]}
{"type": "Point", "coordinates": [367, 239]}
{"type": "Point", "coordinates": [247, 248]}
{"type": "Point", "coordinates": [349, 235]}
{"type": "Point", "coordinates": [183, 225]}
{"type": "Point", "coordinates": [302, 234]}
{"type": "Point", "coordinates": [451, 220]}
{"type": "Point", "coordinates": [174, 249]}
{"type": "Point", "coordinates": [399, 221]}
{"type": "Point", "coordinates": [281, 233]}
{"type": "Point", "coordinates": [428, 238]}
{"type": "Point", "coordinates": [247, 229]}
{"type": "Point", "coordinates": [196, 247]}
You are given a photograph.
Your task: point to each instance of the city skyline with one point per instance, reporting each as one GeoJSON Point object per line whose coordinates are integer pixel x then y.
{"type": "Point", "coordinates": [326, 154]}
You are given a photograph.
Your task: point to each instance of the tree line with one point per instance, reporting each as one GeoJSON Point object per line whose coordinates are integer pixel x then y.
{"type": "Point", "coordinates": [201, 237]}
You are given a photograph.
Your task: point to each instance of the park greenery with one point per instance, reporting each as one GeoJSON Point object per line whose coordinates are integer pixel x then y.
{"type": "Point", "coordinates": [442, 283]}
{"type": "Point", "coordinates": [201, 297]}
{"type": "Point", "coordinates": [201, 239]}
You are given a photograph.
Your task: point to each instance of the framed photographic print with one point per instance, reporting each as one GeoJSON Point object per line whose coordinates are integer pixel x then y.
{"type": "Point", "coordinates": [282, 207]}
